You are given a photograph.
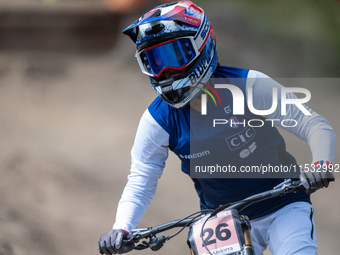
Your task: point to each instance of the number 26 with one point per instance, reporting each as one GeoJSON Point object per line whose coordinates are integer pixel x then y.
{"type": "Point", "coordinates": [219, 234]}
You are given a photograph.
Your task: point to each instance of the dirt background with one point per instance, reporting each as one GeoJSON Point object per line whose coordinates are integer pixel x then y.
{"type": "Point", "coordinates": [67, 124]}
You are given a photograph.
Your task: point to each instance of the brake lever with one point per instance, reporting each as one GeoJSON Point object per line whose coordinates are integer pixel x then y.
{"type": "Point", "coordinates": [154, 244]}
{"type": "Point", "coordinates": [284, 184]}
{"type": "Point", "coordinates": [157, 242]}
{"type": "Point", "coordinates": [131, 238]}
{"type": "Point", "coordinates": [290, 185]}
{"type": "Point", "coordinates": [141, 247]}
{"type": "Point", "coordinates": [298, 184]}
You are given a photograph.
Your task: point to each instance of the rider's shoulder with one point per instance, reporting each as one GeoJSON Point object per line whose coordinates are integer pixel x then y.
{"type": "Point", "coordinates": [237, 72]}
{"type": "Point", "coordinates": [230, 72]}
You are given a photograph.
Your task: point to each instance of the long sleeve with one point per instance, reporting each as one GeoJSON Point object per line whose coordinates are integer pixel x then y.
{"type": "Point", "coordinates": [314, 129]}
{"type": "Point", "coordinates": [149, 153]}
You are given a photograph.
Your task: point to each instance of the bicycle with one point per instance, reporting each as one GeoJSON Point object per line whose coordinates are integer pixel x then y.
{"type": "Point", "coordinates": [221, 231]}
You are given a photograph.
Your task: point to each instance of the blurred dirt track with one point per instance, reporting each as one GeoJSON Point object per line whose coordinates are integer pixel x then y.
{"type": "Point", "coordinates": [67, 125]}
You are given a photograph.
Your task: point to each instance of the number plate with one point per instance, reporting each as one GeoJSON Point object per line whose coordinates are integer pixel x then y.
{"type": "Point", "coordinates": [219, 235]}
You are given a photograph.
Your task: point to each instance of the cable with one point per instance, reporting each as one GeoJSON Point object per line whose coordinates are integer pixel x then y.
{"type": "Point", "coordinates": [193, 219]}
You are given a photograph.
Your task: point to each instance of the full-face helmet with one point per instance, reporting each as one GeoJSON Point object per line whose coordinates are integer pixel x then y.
{"type": "Point", "coordinates": [179, 36]}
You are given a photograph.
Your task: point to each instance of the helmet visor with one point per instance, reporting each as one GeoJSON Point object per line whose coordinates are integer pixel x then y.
{"type": "Point", "coordinates": [175, 54]}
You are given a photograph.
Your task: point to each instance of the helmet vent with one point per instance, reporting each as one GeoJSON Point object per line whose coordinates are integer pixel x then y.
{"type": "Point", "coordinates": [154, 29]}
{"type": "Point", "coordinates": [178, 22]}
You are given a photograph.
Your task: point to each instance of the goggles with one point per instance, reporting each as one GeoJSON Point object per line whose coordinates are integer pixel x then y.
{"type": "Point", "coordinates": [175, 54]}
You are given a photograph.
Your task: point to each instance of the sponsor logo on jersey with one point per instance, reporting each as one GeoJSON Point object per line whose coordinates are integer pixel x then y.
{"type": "Point", "coordinates": [195, 155]}
{"type": "Point", "coordinates": [240, 139]}
{"type": "Point", "coordinates": [227, 109]}
{"type": "Point", "coordinates": [246, 152]}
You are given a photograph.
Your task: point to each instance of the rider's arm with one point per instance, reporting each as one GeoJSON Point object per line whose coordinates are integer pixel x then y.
{"type": "Point", "coordinates": [149, 153]}
{"type": "Point", "coordinates": [314, 129]}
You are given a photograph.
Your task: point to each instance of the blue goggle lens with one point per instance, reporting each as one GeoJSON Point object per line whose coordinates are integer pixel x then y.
{"type": "Point", "coordinates": [175, 54]}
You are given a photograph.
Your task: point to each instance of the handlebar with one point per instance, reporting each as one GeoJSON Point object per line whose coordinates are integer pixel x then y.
{"type": "Point", "coordinates": [288, 186]}
{"type": "Point", "coordinates": [155, 243]}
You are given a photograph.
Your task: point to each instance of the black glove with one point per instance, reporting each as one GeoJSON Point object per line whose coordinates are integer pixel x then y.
{"type": "Point", "coordinates": [315, 178]}
{"type": "Point", "coordinates": [111, 242]}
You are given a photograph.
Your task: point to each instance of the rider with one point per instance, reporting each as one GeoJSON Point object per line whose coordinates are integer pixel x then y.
{"type": "Point", "coordinates": [176, 48]}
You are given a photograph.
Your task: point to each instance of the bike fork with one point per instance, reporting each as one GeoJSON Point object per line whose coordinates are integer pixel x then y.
{"type": "Point", "coordinates": [248, 248]}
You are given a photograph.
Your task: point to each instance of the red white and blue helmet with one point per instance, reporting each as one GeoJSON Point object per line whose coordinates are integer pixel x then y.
{"type": "Point", "coordinates": [178, 36]}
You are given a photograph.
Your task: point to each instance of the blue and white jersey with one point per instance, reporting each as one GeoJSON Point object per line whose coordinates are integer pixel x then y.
{"type": "Point", "coordinates": [192, 137]}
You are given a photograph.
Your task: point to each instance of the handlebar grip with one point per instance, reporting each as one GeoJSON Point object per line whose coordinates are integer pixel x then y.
{"type": "Point", "coordinates": [127, 240]}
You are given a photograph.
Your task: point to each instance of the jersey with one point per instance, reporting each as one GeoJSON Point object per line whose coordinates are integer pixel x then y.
{"type": "Point", "coordinates": [187, 133]}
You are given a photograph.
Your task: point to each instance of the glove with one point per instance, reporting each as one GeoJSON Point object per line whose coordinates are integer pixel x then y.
{"type": "Point", "coordinates": [317, 177]}
{"type": "Point", "coordinates": [111, 242]}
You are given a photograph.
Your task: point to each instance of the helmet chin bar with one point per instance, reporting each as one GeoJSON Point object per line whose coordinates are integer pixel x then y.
{"type": "Point", "coordinates": [170, 95]}
{"type": "Point", "coordinates": [187, 98]}
{"type": "Point", "coordinates": [176, 96]}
